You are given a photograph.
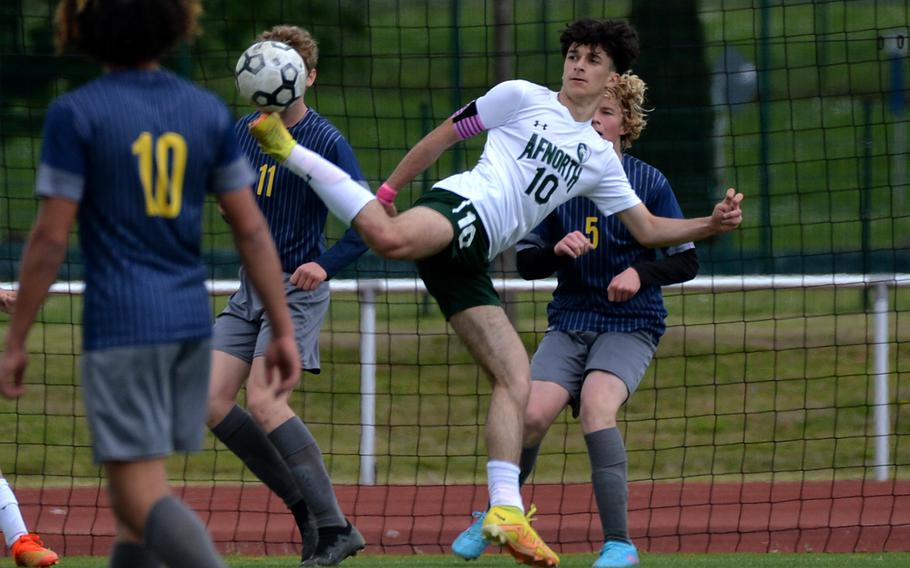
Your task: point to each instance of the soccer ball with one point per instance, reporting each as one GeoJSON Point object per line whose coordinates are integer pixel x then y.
{"type": "Point", "coordinates": [271, 75]}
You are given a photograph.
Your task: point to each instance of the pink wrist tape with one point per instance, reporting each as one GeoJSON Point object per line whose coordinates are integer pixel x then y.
{"type": "Point", "coordinates": [386, 194]}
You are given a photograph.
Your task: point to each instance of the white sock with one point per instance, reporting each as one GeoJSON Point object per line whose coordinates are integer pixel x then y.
{"type": "Point", "coordinates": [342, 196]}
{"type": "Point", "coordinates": [502, 481]}
{"type": "Point", "coordinates": [11, 522]}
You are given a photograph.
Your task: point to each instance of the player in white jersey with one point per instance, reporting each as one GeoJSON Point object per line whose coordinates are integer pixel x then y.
{"type": "Point", "coordinates": [534, 144]}
{"type": "Point", "coordinates": [541, 151]}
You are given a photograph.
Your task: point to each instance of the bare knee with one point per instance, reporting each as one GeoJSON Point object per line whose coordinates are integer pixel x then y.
{"type": "Point", "coordinates": [268, 411]}
{"type": "Point", "coordinates": [602, 396]}
{"type": "Point", "coordinates": [218, 408]}
{"type": "Point", "coordinates": [225, 381]}
{"type": "Point", "coordinates": [537, 422]}
{"type": "Point", "coordinates": [134, 488]}
{"type": "Point", "coordinates": [594, 419]}
{"type": "Point", "coordinates": [261, 405]}
{"type": "Point", "coordinates": [517, 385]}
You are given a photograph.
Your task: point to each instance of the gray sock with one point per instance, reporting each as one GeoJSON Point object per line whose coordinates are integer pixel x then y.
{"type": "Point", "coordinates": [608, 476]}
{"type": "Point", "coordinates": [132, 555]}
{"type": "Point", "coordinates": [243, 436]}
{"type": "Point", "coordinates": [175, 534]}
{"type": "Point", "coordinates": [526, 463]}
{"type": "Point", "coordinates": [301, 452]}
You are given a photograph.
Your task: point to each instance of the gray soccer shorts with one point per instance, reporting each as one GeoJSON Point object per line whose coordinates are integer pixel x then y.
{"type": "Point", "coordinates": [243, 330]}
{"type": "Point", "coordinates": [146, 401]}
{"type": "Point", "coordinates": [566, 358]}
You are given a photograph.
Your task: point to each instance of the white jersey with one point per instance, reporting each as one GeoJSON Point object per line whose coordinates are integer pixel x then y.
{"type": "Point", "coordinates": [536, 158]}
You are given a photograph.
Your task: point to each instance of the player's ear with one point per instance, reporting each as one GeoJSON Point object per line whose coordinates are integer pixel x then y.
{"type": "Point", "coordinates": [310, 78]}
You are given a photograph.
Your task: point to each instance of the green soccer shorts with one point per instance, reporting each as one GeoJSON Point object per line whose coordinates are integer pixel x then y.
{"type": "Point", "coordinates": [458, 276]}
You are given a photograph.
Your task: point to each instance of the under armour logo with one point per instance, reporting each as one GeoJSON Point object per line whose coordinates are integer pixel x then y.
{"type": "Point", "coordinates": [543, 125]}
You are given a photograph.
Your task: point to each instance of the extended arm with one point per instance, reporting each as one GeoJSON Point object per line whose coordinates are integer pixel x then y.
{"type": "Point", "coordinates": [424, 154]}
{"type": "Point", "coordinates": [41, 260]}
{"type": "Point", "coordinates": [655, 232]}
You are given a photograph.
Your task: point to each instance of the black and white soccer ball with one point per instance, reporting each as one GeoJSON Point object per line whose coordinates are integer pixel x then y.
{"type": "Point", "coordinates": [271, 75]}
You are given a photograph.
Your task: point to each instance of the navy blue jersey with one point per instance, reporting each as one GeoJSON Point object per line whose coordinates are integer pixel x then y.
{"type": "Point", "coordinates": [580, 300]}
{"type": "Point", "coordinates": [295, 214]}
{"type": "Point", "coordinates": [138, 150]}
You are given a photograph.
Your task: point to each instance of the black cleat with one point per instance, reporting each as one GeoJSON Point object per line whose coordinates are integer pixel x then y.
{"type": "Point", "coordinates": [335, 545]}
{"type": "Point", "coordinates": [309, 534]}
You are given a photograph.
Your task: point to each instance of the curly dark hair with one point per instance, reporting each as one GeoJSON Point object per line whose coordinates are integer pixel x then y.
{"type": "Point", "coordinates": [616, 37]}
{"type": "Point", "coordinates": [125, 32]}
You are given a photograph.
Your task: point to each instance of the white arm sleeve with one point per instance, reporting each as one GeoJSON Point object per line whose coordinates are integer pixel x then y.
{"type": "Point", "coordinates": [343, 196]}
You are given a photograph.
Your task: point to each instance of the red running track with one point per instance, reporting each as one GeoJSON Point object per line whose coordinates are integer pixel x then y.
{"type": "Point", "coordinates": [816, 516]}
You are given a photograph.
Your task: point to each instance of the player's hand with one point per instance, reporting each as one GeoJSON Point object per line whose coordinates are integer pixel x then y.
{"type": "Point", "coordinates": [7, 301]}
{"type": "Point", "coordinates": [12, 372]}
{"type": "Point", "coordinates": [273, 136]}
{"type": "Point", "coordinates": [624, 285]}
{"type": "Point", "coordinates": [282, 365]}
{"type": "Point", "coordinates": [573, 245]}
{"type": "Point", "coordinates": [309, 276]}
{"type": "Point", "coordinates": [728, 214]}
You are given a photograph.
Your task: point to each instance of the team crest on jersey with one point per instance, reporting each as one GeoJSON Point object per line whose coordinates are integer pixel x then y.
{"type": "Point", "coordinates": [583, 153]}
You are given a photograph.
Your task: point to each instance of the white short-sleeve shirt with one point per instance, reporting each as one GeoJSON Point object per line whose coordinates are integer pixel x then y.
{"type": "Point", "coordinates": [536, 158]}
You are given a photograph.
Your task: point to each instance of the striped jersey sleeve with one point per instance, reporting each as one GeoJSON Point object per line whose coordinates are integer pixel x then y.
{"type": "Point", "coordinates": [61, 172]}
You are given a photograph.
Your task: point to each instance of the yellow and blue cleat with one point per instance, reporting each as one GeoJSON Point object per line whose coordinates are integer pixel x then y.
{"type": "Point", "coordinates": [470, 544]}
{"type": "Point", "coordinates": [617, 554]}
{"type": "Point", "coordinates": [511, 528]}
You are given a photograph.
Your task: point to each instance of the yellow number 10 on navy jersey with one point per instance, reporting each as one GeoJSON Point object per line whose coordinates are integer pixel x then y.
{"type": "Point", "coordinates": [165, 198]}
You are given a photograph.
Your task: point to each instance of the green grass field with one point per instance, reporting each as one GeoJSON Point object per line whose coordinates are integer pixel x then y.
{"type": "Point", "coordinates": [568, 561]}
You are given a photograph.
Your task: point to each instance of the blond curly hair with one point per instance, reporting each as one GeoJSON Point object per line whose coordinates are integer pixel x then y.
{"type": "Point", "coordinates": [298, 38]}
{"type": "Point", "coordinates": [629, 92]}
